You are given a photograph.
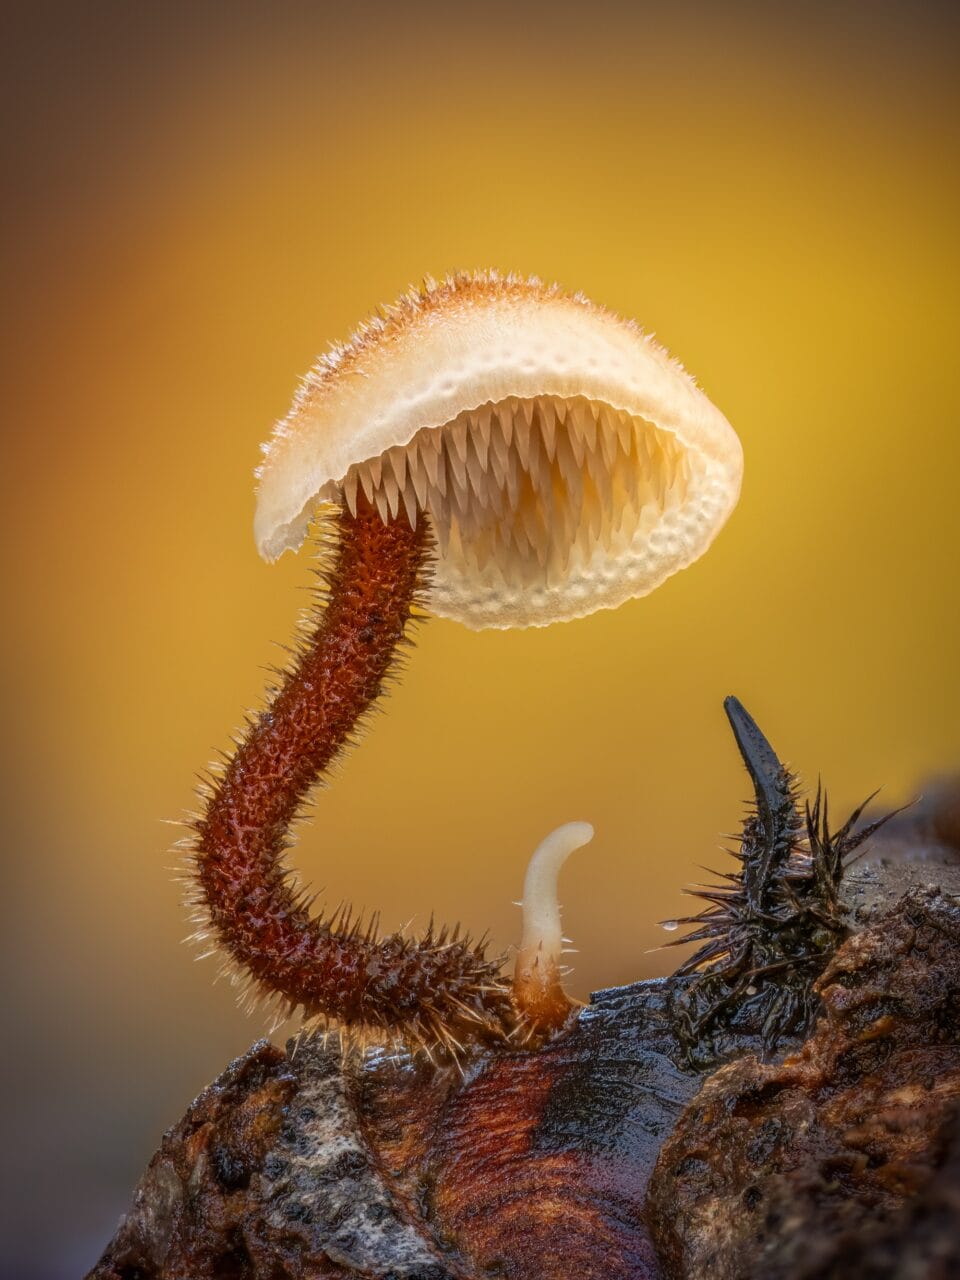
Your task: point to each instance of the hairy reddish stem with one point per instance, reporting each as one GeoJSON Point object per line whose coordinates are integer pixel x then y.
{"type": "Point", "coordinates": [438, 990]}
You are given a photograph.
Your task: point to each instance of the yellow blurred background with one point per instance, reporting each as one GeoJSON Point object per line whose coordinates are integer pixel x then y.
{"type": "Point", "coordinates": [200, 198]}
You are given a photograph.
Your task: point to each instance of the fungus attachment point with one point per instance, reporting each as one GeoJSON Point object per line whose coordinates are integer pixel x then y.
{"type": "Point", "coordinates": [537, 986]}
{"type": "Point", "coordinates": [507, 455]}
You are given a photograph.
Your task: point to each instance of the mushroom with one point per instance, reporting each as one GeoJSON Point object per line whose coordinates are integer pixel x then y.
{"type": "Point", "coordinates": [565, 462]}
{"type": "Point", "coordinates": [502, 453]}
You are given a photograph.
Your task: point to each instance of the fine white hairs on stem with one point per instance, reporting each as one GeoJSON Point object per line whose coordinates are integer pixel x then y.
{"type": "Point", "coordinates": [538, 990]}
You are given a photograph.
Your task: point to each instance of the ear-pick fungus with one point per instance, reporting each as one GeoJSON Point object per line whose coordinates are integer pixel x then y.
{"type": "Point", "coordinates": [498, 452]}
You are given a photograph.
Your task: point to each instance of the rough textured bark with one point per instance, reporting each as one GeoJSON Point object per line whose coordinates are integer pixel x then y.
{"type": "Point", "coordinates": [793, 1170]}
{"type": "Point", "coordinates": [613, 1152]}
{"type": "Point", "coordinates": [536, 1167]}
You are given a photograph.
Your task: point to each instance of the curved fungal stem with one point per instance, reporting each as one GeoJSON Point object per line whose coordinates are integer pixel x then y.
{"type": "Point", "coordinates": [438, 991]}
{"type": "Point", "coordinates": [537, 987]}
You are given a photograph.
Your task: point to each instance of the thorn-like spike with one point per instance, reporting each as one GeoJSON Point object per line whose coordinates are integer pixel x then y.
{"type": "Point", "coordinates": [759, 757]}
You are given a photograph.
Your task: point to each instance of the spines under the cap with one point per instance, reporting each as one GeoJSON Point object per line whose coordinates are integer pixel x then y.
{"type": "Point", "coordinates": [440, 360]}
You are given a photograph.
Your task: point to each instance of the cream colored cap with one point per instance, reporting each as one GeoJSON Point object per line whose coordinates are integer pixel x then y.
{"type": "Point", "coordinates": [565, 461]}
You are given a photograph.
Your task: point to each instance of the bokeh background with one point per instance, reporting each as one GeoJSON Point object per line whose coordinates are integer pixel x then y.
{"type": "Point", "coordinates": [200, 197]}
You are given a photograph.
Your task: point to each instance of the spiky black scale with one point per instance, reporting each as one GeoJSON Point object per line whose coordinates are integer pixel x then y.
{"type": "Point", "coordinates": [769, 929]}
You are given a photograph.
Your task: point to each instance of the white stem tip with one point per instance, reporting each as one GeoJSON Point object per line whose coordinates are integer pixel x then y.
{"type": "Point", "coordinates": [538, 959]}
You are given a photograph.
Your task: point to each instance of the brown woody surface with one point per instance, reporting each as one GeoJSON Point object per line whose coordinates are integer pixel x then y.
{"type": "Point", "coordinates": [842, 1160]}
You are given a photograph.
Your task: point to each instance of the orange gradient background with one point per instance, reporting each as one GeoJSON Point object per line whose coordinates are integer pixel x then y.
{"type": "Point", "coordinates": [201, 197]}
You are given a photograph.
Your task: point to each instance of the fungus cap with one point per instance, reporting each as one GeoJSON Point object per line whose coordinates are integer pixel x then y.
{"type": "Point", "coordinates": [565, 461]}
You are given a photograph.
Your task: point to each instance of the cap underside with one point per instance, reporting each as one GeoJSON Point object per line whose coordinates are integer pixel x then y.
{"type": "Point", "coordinates": [564, 461]}
{"type": "Point", "coordinates": [544, 508]}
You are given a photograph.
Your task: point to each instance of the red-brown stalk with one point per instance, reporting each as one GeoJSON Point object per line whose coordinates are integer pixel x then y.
{"type": "Point", "coordinates": [438, 991]}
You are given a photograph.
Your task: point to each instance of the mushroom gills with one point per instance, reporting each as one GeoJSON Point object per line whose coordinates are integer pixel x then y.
{"type": "Point", "coordinates": [530, 485]}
